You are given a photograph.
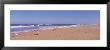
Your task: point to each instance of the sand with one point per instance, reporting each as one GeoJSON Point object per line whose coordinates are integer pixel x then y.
{"type": "Point", "coordinates": [77, 33]}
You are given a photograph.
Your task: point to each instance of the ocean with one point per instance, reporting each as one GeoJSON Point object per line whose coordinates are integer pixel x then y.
{"type": "Point", "coordinates": [30, 27]}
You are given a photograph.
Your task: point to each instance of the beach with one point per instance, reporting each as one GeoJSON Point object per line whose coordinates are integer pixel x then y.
{"type": "Point", "coordinates": [71, 33]}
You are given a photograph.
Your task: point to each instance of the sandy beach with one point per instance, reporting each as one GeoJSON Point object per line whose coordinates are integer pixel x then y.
{"type": "Point", "coordinates": [77, 33]}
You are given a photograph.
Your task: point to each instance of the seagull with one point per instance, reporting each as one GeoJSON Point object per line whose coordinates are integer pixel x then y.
{"type": "Point", "coordinates": [37, 29]}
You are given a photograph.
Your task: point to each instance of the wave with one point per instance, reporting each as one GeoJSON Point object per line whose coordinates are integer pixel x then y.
{"type": "Point", "coordinates": [22, 26]}
{"type": "Point", "coordinates": [33, 27]}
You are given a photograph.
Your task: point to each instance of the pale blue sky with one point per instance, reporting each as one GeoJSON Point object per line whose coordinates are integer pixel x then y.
{"type": "Point", "coordinates": [55, 16]}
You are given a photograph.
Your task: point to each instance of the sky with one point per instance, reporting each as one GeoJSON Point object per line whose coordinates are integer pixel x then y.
{"type": "Point", "coordinates": [55, 16]}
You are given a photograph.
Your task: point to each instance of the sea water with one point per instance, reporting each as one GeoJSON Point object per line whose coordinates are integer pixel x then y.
{"type": "Point", "coordinates": [30, 27]}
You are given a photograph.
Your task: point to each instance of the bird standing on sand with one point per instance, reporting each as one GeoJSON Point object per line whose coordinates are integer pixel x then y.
{"type": "Point", "coordinates": [54, 29]}
{"type": "Point", "coordinates": [37, 30]}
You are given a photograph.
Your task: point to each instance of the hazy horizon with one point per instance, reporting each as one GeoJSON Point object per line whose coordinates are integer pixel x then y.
{"type": "Point", "coordinates": [55, 16]}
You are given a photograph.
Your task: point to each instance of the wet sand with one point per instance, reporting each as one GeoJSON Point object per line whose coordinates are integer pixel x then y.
{"type": "Point", "coordinates": [77, 33]}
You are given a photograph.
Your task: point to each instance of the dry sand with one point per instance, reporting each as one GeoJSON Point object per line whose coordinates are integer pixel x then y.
{"type": "Point", "coordinates": [78, 33]}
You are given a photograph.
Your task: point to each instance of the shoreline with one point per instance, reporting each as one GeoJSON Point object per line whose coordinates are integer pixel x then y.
{"type": "Point", "coordinates": [76, 33]}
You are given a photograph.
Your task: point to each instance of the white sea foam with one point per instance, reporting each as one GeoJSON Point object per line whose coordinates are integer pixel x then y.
{"type": "Point", "coordinates": [41, 27]}
{"type": "Point", "coordinates": [21, 26]}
